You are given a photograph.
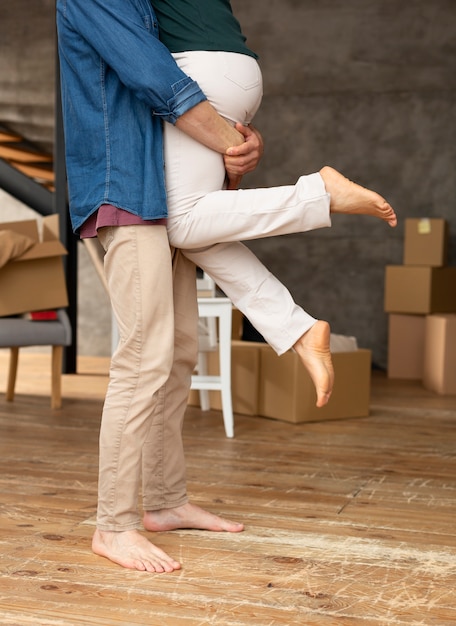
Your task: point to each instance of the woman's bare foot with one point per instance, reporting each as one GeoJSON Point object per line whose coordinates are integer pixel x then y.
{"type": "Point", "coordinates": [188, 516]}
{"type": "Point", "coordinates": [313, 350]}
{"type": "Point", "coordinates": [133, 551]}
{"type": "Point", "coordinates": [348, 197]}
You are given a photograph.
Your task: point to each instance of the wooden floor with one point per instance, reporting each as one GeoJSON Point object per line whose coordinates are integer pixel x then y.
{"type": "Point", "coordinates": [347, 522]}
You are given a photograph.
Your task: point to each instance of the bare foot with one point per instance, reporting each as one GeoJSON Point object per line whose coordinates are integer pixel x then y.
{"type": "Point", "coordinates": [188, 516]}
{"type": "Point", "coordinates": [348, 197]}
{"type": "Point", "coordinates": [133, 551]}
{"type": "Point", "coordinates": [313, 350]}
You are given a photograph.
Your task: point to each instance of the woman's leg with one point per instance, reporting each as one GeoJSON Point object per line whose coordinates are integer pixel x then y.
{"type": "Point", "coordinates": [261, 297]}
{"type": "Point", "coordinates": [270, 307]}
{"type": "Point", "coordinates": [202, 214]}
{"type": "Point", "coordinates": [225, 216]}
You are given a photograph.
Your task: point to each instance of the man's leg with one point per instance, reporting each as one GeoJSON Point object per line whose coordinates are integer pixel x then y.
{"type": "Point", "coordinates": [165, 501]}
{"type": "Point", "coordinates": [164, 481]}
{"type": "Point", "coordinates": [138, 272]}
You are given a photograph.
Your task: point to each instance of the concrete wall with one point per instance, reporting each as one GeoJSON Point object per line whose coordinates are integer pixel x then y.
{"type": "Point", "coordinates": [27, 68]}
{"type": "Point", "coordinates": [367, 86]}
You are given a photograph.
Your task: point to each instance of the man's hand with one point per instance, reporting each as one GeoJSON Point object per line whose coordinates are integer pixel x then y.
{"type": "Point", "coordinates": [240, 160]}
{"type": "Point", "coordinates": [204, 124]}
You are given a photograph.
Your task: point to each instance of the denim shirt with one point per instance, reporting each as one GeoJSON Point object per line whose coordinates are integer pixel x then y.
{"type": "Point", "coordinates": [118, 82]}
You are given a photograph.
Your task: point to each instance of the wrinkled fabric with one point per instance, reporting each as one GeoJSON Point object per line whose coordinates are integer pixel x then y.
{"type": "Point", "coordinates": [12, 245]}
{"type": "Point", "coordinates": [113, 108]}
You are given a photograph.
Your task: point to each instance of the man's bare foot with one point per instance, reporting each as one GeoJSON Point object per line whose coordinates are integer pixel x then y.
{"type": "Point", "coordinates": [313, 350]}
{"type": "Point", "coordinates": [133, 551]}
{"type": "Point", "coordinates": [348, 197]}
{"type": "Point", "coordinates": [188, 516]}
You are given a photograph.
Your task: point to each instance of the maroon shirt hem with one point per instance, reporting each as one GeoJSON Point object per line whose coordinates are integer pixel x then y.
{"type": "Point", "coordinates": [109, 215]}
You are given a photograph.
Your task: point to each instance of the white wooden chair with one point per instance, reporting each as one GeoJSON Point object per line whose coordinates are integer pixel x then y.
{"type": "Point", "coordinates": [213, 309]}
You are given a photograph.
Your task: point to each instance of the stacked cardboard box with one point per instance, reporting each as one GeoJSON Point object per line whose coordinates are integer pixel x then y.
{"type": "Point", "coordinates": [439, 369]}
{"type": "Point", "coordinates": [267, 385]}
{"type": "Point", "coordinates": [287, 392]}
{"type": "Point", "coordinates": [420, 297]}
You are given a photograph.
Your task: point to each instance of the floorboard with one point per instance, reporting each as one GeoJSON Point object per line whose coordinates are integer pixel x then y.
{"type": "Point", "coordinates": [349, 522]}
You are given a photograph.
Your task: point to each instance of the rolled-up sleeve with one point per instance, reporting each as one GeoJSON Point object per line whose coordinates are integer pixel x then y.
{"type": "Point", "coordinates": [121, 34]}
{"type": "Point", "coordinates": [186, 96]}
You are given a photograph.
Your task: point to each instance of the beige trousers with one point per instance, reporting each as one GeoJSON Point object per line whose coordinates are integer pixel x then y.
{"type": "Point", "coordinates": [153, 295]}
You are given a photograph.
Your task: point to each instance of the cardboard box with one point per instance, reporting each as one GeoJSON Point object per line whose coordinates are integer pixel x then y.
{"type": "Point", "coordinates": [236, 324]}
{"type": "Point", "coordinates": [423, 290]}
{"type": "Point", "coordinates": [287, 392]}
{"type": "Point", "coordinates": [34, 281]}
{"type": "Point", "coordinates": [439, 373]}
{"type": "Point", "coordinates": [406, 346]}
{"type": "Point", "coordinates": [245, 378]}
{"type": "Point", "coordinates": [426, 242]}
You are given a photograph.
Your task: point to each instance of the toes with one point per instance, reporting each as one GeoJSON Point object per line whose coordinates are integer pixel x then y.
{"type": "Point", "coordinates": [323, 399]}
{"type": "Point", "coordinates": [155, 567]}
{"type": "Point", "coordinates": [232, 527]}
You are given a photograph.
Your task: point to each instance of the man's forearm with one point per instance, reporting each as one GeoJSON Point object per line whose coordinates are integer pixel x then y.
{"type": "Point", "coordinates": [204, 124]}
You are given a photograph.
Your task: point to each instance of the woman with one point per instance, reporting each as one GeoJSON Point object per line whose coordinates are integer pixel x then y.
{"type": "Point", "coordinates": [207, 223]}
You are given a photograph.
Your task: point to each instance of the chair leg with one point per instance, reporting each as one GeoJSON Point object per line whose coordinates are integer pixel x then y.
{"type": "Point", "coordinates": [12, 372]}
{"type": "Point", "coordinates": [56, 384]}
{"type": "Point", "coordinates": [202, 371]}
{"type": "Point", "coordinates": [225, 372]}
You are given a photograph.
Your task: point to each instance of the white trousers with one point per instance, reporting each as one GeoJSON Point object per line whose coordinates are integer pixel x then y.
{"type": "Point", "coordinates": [208, 222]}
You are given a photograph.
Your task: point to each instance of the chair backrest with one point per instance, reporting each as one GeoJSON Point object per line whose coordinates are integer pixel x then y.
{"type": "Point", "coordinates": [205, 286]}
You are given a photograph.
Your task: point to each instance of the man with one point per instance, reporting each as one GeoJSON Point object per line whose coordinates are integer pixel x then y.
{"type": "Point", "coordinates": [118, 84]}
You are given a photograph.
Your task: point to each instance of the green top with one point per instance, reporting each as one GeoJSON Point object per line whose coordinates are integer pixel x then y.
{"type": "Point", "coordinates": [199, 25]}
